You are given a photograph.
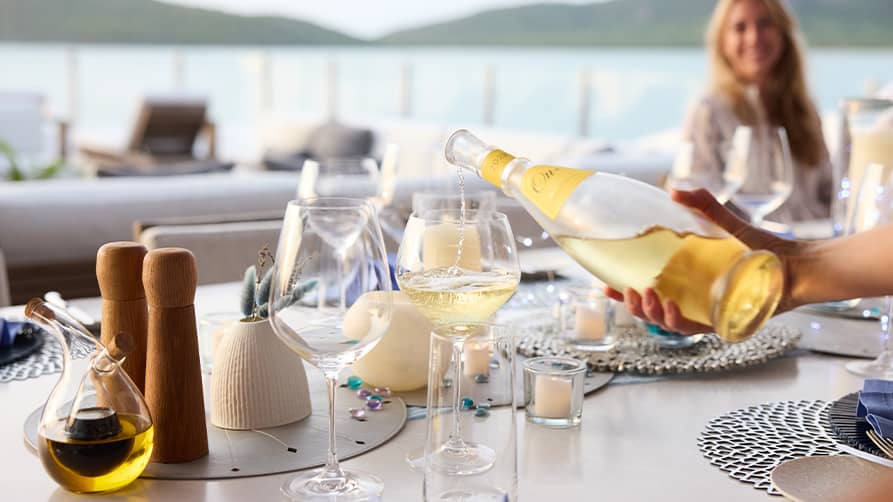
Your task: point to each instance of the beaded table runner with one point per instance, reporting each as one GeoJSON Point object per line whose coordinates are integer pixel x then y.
{"type": "Point", "coordinates": [637, 352]}
{"type": "Point", "coordinates": [750, 443]}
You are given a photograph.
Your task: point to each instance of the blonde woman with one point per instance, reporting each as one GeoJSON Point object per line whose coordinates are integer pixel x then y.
{"type": "Point", "coordinates": [757, 79]}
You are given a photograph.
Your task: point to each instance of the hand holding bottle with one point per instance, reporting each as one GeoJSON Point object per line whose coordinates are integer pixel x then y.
{"type": "Point", "coordinates": [667, 314]}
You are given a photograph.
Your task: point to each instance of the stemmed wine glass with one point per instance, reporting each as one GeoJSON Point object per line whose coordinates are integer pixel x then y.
{"type": "Point", "coordinates": [730, 161]}
{"type": "Point", "coordinates": [769, 174]}
{"type": "Point", "coordinates": [873, 206]}
{"type": "Point", "coordinates": [457, 270]}
{"type": "Point", "coordinates": [331, 253]}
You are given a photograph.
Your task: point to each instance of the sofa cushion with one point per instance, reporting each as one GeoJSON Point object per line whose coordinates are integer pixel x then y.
{"type": "Point", "coordinates": [333, 140]}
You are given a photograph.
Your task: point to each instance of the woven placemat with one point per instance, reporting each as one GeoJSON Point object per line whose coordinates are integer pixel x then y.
{"type": "Point", "coordinates": [45, 361]}
{"type": "Point", "coordinates": [637, 352]}
{"type": "Point", "coordinates": [750, 443]}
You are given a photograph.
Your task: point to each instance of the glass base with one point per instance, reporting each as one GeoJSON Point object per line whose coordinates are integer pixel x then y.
{"type": "Point", "coordinates": [590, 345]}
{"type": "Point", "coordinates": [556, 423]}
{"type": "Point", "coordinates": [674, 341]}
{"type": "Point", "coordinates": [882, 367]}
{"type": "Point", "coordinates": [473, 458]}
{"type": "Point", "coordinates": [314, 486]}
{"type": "Point", "coordinates": [471, 494]}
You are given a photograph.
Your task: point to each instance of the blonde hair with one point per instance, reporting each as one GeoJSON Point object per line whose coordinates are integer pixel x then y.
{"type": "Point", "coordinates": [785, 95]}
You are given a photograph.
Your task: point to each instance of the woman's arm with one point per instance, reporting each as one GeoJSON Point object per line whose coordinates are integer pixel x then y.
{"type": "Point", "coordinates": [815, 271]}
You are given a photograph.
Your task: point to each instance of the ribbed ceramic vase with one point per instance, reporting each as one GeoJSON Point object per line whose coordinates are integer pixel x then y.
{"type": "Point", "coordinates": [257, 382]}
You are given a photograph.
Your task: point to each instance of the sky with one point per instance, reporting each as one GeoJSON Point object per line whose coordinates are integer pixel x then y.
{"type": "Point", "coordinates": [365, 18]}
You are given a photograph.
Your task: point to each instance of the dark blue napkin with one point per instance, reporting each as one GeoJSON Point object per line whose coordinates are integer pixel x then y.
{"type": "Point", "coordinates": [876, 405]}
{"type": "Point", "coordinates": [9, 330]}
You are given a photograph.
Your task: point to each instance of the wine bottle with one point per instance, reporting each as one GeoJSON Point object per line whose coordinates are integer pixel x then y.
{"type": "Point", "coordinates": [631, 234]}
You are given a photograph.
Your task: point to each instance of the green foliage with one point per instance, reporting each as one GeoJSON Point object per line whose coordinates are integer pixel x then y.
{"type": "Point", "coordinates": [255, 299]}
{"type": "Point", "coordinates": [17, 174]}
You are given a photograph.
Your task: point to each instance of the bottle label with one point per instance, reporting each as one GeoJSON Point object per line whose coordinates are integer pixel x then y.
{"type": "Point", "coordinates": [494, 163]}
{"type": "Point", "coordinates": [548, 187]}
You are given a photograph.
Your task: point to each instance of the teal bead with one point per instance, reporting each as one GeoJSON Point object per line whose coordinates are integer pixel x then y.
{"type": "Point", "coordinates": [482, 412]}
{"type": "Point", "coordinates": [375, 397]}
{"type": "Point", "coordinates": [354, 382]}
{"type": "Point", "coordinates": [467, 403]}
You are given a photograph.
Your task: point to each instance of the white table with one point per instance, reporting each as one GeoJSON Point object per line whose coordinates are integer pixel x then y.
{"type": "Point", "coordinates": [637, 441]}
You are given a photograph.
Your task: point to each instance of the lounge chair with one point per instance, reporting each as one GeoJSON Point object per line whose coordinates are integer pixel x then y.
{"type": "Point", "coordinates": [162, 140]}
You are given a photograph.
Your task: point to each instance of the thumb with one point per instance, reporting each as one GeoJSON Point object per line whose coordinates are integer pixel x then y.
{"type": "Point", "coordinates": [702, 201]}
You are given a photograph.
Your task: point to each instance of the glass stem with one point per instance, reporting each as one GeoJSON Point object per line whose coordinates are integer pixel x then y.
{"type": "Point", "coordinates": [885, 324]}
{"type": "Point", "coordinates": [332, 468]}
{"type": "Point", "coordinates": [455, 442]}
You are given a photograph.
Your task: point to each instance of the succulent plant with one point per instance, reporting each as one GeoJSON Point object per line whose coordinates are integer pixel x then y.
{"type": "Point", "coordinates": [256, 287]}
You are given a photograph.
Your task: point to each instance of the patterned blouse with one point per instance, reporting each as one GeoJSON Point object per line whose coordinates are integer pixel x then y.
{"type": "Point", "coordinates": [710, 126]}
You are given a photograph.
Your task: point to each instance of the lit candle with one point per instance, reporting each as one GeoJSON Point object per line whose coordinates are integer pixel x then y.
{"type": "Point", "coordinates": [400, 358]}
{"type": "Point", "coordinates": [441, 245]}
{"type": "Point", "coordinates": [589, 323]}
{"type": "Point", "coordinates": [552, 397]}
{"type": "Point", "coordinates": [477, 359]}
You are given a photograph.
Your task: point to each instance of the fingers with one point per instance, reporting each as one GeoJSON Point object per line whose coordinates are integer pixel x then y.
{"type": "Point", "coordinates": [675, 322]}
{"type": "Point", "coordinates": [666, 315]}
{"type": "Point", "coordinates": [614, 294]}
{"type": "Point", "coordinates": [704, 202]}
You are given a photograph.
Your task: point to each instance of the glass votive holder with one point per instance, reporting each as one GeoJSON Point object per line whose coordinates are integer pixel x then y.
{"type": "Point", "coordinates": [211, 328]}
{"type": "Point", "coordinates": [670, 340]}
{"type": "Point", "coordinates": [587, 320]}
{"type": "Point", "coordinates": [553, 391]}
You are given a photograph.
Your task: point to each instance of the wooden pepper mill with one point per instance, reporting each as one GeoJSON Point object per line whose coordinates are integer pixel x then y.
{"type": "Point", "coordinates": [119, 270]}
{"type": "Point", "coordinates": [173, 368]}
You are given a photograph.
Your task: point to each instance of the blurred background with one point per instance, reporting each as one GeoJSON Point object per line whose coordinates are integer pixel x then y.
{"type": "Point", "coordinates": [616, 70]}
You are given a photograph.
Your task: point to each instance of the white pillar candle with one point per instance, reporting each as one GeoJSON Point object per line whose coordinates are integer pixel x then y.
{"type": "Point", "coordinates": [477, 359]}
{"type": "Point", "coordinates": [589, 323]}
{"type": "Point", "coordinates": [441, 246]}
{"type": "Point", "coordinates": [552, 397]}
{"type": "Point", "coordinates": [400, 359]}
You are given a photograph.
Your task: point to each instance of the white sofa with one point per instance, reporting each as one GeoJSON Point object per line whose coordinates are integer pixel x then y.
{"type": "Point", "coordinates": [50, 230]}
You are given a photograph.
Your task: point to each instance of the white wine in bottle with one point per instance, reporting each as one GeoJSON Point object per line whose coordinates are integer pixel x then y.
{"type": "Point", "coordinates": [632, 235]}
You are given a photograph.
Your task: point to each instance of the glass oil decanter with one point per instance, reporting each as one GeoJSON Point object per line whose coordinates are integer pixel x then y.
{"type": "Point", "coordinates": [95, 432]}
{"type": "Point", "coordinates": [632, 235]}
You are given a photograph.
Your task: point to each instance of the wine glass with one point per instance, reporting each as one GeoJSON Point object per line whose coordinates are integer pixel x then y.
{"type": "Point", "coordinates": [873, 206]}
{"type": "Point", "coordinates": [457, 270]}
{"type": "Point", "coordinates": [769, 174]}
{"type": "Point", "coordinates": [730, 160]}
{"type": "Point", "coordinates": [327, 176]}
{"type": "Point", "coordinates": [331, 254]}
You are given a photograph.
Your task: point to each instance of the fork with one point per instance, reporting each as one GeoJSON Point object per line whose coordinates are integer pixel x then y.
{"type": "Point", "coordinates": [886, 445]}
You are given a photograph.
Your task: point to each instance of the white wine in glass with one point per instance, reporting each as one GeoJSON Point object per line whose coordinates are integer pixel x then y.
{"type": "Point", "coordinates": [453, 284]}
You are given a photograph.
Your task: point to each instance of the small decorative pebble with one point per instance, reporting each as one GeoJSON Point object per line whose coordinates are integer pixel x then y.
{"type": "Point", "coordinates": [383, 391]}
{"type": "Point", "coordinates": [364, 393]}
{"type": "Point", "coordinates": [375, 397]}
{"type": "Point", "coordinates": [467, 403]}
{"type": "Point", "coordinates": [483, 406]}
{"type": "Point", "coordinates": [494, 364]}
{"type": "Point", "coordinates": [358, 414]}
{"type": "Point", "coordinates": [447, 383]}
{"type": "Point", "coordinates": [354, 382]}
{"type": "Point", "coordinates": [481, 378]}
{"type": "Point", "coordinates": [373, 404]}
{"type": "Point", "coordinates": [482, 412]}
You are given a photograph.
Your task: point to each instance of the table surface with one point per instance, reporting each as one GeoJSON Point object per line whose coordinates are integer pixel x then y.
{"type": "Point", "coordinates": [638, 441]}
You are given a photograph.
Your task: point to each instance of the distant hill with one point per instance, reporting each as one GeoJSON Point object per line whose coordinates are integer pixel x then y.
{"type": "Point", "coordinates": [646, 23]}
{"type": "Point", "coordinates": [149, 22]}
{"type": "Point", "coordinates": [643, 23]}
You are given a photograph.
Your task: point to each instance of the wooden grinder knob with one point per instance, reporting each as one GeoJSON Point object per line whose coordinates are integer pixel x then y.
{"type": "Point", "coordinates": [173, 368]}
{"type": "Point", "coordinates": [119, 270]}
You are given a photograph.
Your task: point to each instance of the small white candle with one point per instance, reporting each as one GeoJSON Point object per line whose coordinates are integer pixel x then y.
{"type": "Point", "coordinates": [589, 323]}
{"type": "Point", "coordinates": [441, 246]}
{"type": "Point", "coordinates": [552, 397]}
{"type": "Point", "coordinates": [477, 359]}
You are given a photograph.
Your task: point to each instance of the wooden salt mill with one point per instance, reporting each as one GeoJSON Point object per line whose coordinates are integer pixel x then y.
{"type": "Point", "coordinates": [119, 270]}
{"type": "Point", "coordinates": [173, 368]}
